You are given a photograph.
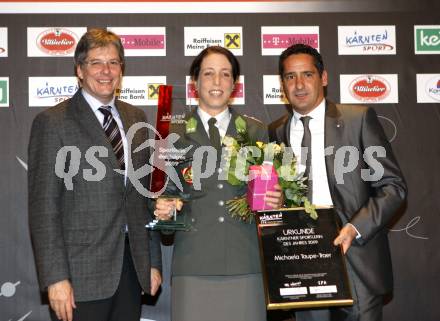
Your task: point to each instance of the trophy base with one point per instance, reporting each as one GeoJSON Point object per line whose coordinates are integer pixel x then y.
{"type": "Point", "coordinates": [158, 225]}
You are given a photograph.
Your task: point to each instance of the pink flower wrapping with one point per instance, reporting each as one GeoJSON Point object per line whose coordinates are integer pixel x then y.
{"type": "Point", "coordinates": [262, 178]}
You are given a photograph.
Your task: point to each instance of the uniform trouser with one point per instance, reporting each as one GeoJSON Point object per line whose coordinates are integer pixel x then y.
{"type": "Point", "coordinates": [218, 298]}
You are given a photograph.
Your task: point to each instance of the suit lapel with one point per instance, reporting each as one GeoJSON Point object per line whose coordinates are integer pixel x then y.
{"type": "Point", "coordinates": [127, 122]}
{"type": "Point", "coordinates": [333, 132]}
{"type": "Point", "coordinates": [125, 117]}
{"type": "Point", "coordinates": [84, 115]}
{"type": "Point", "coordinates": [285, 134]}
{"type": "Point", "coordinates": [82, 112]}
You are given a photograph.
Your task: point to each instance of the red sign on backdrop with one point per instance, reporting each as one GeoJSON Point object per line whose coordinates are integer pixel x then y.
{"type": "Point", "coordinates": [370, 88]}
{"type": "Point", "coordinates": [56, 41]}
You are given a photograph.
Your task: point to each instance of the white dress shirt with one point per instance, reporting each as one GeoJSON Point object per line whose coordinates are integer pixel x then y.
{"type": "Point", "coordinates": [321, 192]}
{"type": "Point", "coordinates": [95, 104]}
{"type": "Point", "coordinates": [222, 123]}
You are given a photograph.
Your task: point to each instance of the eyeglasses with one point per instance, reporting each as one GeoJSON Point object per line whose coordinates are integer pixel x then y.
{"type": "Point", "coordinates": [97, 64]}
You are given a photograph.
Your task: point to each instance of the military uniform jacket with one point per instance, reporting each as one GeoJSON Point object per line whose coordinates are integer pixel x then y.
{"type": "Point", "coordinates": [218, 243]}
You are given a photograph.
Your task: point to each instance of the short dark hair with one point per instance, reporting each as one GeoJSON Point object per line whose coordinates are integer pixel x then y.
{"type": "Point", "coordinates": [194, 70]}
{"type": "Point", "coordinates": [297, 49]}
{"type": "Point", "coordinates": [97, 38]}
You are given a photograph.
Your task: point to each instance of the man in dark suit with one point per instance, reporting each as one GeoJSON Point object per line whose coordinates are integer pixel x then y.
{"type": "Point", "coordinates": [365, 192]}
{"type": "Point", "coordinates": [93, 254]}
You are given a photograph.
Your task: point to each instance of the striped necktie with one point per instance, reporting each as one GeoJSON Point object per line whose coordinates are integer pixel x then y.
{"type": "Point", "coordinates": [114, 135]}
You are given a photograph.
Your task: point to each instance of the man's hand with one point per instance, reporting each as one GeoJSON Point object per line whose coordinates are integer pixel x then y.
{"type": "Point", "coordinates": [345, 237]}
{"type": "Point", "coordinates": [275, 199]}
{"type": "Point", "coordinates": [156, 280]}
{"type": "Point", "coordinates": [165, 208]}
{"type": "Point", "coordinates": [61, 300]}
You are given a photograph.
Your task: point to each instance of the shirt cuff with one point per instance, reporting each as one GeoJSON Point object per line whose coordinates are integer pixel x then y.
{"type": "Point", "coordinates": [358, 235]}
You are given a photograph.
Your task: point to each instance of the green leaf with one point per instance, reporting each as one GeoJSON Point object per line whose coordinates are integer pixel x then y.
{"type": "Point", "coordinates": [240, 125]}
{"type": "Point", "coordinates": [191, 125]}
{"type": "Point", "coordinates": [289, 194]}
{"type": "Point", "coordinates": [232, 179]}
{"type": "Point", "coordinates": [239, 208]}
{"type": "Point", "coordinates": [310, 209]}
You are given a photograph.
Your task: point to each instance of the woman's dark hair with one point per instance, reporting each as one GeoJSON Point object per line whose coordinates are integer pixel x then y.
{"type": "Point", "coordinates": [194, 70]}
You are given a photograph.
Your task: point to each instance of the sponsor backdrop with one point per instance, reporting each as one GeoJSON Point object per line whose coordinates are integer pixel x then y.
{"type": "Point", "coordinates": [381, 56]}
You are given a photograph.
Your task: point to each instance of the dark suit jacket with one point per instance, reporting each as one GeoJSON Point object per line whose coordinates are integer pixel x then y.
{"type": "Point", "coordinates": [219, 244]}
{"type": "Point", "coordinates": [368, 205]}
{"type": "Point", "coordinates": [79, 234]}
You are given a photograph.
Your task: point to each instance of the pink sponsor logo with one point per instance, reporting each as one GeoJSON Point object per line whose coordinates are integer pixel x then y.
{"type": "Point", "coordinates": [143, 41]}
{"type": "Point", "coordinates": [238, 91]}
{"type": "Point", "coordinates": [191, 91]}
{"type": "Point", "coordinates": [276, 41]}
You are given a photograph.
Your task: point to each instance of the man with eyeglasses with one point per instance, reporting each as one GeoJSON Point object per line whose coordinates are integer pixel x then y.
{"type": "Point", "coordinates": [93, 254]}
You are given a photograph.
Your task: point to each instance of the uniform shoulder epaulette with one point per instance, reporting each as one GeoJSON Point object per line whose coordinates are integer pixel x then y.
{"type": "Point", "coordinates": [253, 118]}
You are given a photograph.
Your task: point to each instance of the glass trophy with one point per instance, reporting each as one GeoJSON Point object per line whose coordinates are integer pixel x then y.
{"type": "Point", "coordinates": [172, 174]}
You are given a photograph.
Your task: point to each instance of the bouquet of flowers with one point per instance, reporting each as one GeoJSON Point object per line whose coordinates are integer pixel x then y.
{"type": "Point", "coordinates": [242, 152]}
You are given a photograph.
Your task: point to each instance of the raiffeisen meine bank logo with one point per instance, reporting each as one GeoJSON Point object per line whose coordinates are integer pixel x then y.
{"type": "Point", "coordinates": [275, 39]}
{"type": "Point", "coordinates": [140, 90]}
{"type": "Point", "coordinates": [153, 91]}
{"type": "Point", "coordinates": [428, 88]}
{"type": "Point", "coordinates": [427, 40]}
{"type": "Point", "coordinates": [367, 40]}
{"type": "Point", "coordinates": [273, 91]}
{"type": "Point", "coordinates": [199, 38]}
{"type": "Point", "coordinates": [232, 41]}
{"type": "Point", "coordinates": [142, 41]}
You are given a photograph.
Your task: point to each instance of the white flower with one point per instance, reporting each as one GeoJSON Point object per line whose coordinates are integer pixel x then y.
{"type": "Point", "coordinates": [228, 141]}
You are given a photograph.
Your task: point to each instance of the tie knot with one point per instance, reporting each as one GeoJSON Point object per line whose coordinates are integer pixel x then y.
{"type": "Point", "coordinates": [106, 110]}
{"type": "Point", "coordinates": [305, 120]}
{"type": "Point", "coordinates": [212, 121]}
